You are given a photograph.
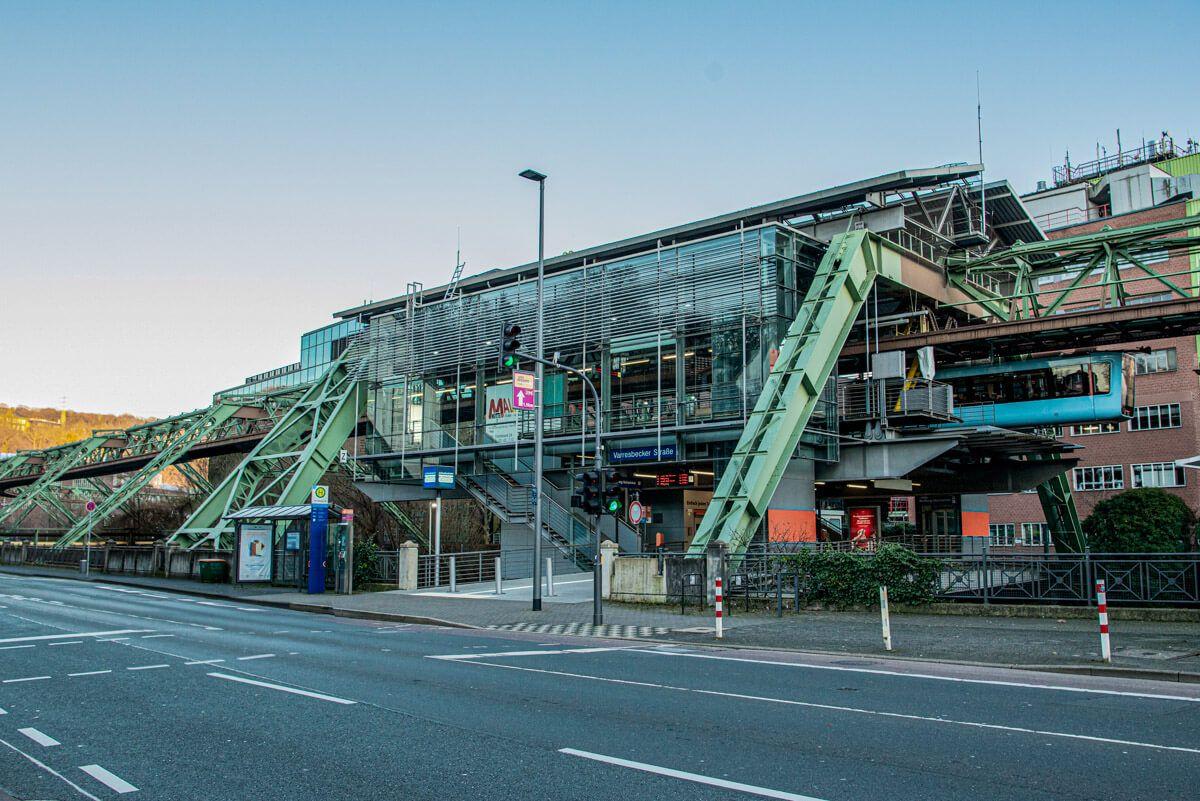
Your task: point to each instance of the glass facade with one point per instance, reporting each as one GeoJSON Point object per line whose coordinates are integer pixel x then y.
{"type": "Point", "coordinates": [318, 350]}
{"type": "Point", "coordinates": [678, 340]}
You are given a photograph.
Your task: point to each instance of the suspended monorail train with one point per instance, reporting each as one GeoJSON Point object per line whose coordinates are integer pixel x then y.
{"type": "Point", "coordinates": [1088, 388]}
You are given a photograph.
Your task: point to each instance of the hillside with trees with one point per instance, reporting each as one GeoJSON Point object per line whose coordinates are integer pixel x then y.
{"type": "Point", "coordinates": [31, 428]}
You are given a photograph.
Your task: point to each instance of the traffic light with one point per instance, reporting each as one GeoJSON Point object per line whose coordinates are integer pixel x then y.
{"type": "Point", "coordinates": [587, 492]}
{"type": "Point", "coordinates": [509, 345]}
{"type": "Point", "coordinates": [614, 494]}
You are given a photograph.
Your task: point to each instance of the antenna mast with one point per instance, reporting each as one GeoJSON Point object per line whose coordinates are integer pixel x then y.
{"type": "Point", "coordinates": [979, 135]}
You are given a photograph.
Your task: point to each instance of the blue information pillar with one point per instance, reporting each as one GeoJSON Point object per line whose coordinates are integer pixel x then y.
{"type": "Point", "coordinates": [317, 534]}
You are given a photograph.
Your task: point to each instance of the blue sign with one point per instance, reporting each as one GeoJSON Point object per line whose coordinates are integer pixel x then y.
{"type": "Point", "coordinates": [293, 541]}
{"type": "Point", "coordinates": [437, 477]}
{"type": "Point", "coordinates": [318, 526]}
{"type": "Point", "coordinates": [667, 453]}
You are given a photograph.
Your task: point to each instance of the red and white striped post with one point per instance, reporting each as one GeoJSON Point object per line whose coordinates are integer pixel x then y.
{"type": "Point", "coordinates": [1102, 607]}
{"type": "Point", "coordinates": [718, 605]}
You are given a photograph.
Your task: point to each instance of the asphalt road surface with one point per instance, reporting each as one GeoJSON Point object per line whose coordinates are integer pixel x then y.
{"type": "Point", "coordinates": [109, 691]}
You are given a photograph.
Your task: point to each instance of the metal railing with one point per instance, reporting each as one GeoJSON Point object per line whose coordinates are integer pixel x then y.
{"type": "Point", "coordinates": [882, 398]}
{"type": "Point", "coordinates": [1072, 216]}
{"type": "Point", "coordinates": [472, 567]}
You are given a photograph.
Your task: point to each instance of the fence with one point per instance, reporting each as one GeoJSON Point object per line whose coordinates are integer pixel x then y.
{"type": "Point", "coordinates": [775, 580]}
{"type": "Point", "coordinates": [115, 559]}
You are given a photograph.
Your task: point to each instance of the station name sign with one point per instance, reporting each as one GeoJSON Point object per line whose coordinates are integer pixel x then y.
{"type": "Point", "coordinates": [648, 454]}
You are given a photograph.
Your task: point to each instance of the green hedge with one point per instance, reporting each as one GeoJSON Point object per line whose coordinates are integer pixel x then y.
{"type": "Point", "coordinates": [366, 554]}
{"type": "Point", "coordinates": [847, 578]}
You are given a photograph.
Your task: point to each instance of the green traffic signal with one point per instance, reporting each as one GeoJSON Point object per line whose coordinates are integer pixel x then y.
{"type": "Point", "coordinates": [614, 505]}
{"type": "Point", "coordinates": [510, 361]}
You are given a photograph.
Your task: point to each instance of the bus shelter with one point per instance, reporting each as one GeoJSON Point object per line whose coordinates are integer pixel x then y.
{"type": "Point", "coordinates": [272, 545]}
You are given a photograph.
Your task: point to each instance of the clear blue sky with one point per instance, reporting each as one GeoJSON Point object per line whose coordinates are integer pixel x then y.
{"type": "Point", "coordinates": [185, 187]}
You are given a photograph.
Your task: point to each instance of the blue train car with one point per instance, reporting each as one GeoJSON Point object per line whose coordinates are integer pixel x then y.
{"type": "Point", "coordinates": [1043, 392]}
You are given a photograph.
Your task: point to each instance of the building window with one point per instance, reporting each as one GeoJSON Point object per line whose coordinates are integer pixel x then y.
{"type": "Point", "coordinates": [1158, 474]}
{"type": "Point", "coordinates": [1001, 533]}
{"type": "Point", "coordinates": [1156, 361]}
{"type": "Point", "coordinates": [1087, 429]}
{"type": "Point", "coordinates": [1103, 477]}
{"type": "Point", "coordinates": [1157, 297]}
{"type": "Point", "coordinates": [1034, 534]}
{"type": "Point", "coordinates": [1148, 418]}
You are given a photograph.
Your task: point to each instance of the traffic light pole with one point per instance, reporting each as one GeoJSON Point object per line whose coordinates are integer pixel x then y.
{"type": "Point", "coordinates": [597, 581]}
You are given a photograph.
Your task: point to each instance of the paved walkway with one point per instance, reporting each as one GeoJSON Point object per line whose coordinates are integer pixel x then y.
{"type": "Point", "coordinates": [1158, 646]}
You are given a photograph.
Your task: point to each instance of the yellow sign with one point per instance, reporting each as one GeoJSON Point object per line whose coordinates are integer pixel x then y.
{"type": "Point", "coordinates": [320, 494]}
{"type": "Point", "coordinates": [523, 380]}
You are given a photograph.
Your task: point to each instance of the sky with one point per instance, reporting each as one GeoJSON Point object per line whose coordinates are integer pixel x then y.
{"type": "Point", "coordinates": [185, 188]}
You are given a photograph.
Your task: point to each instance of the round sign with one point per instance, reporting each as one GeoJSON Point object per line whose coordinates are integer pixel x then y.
{"type": "Point", "coordinates": [637, 512]}
{"type": "Point", "coordinates": [90, 506]}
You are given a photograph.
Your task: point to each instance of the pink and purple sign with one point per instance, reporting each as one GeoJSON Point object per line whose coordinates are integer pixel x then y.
{"type": "Point", "coordinates": [523, 393]}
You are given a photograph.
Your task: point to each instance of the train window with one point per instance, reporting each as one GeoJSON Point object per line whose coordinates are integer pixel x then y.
{"type": "Point", "coordinates": [1071, 381]}
{"type": "Point", "coordinates": [1101, 378]}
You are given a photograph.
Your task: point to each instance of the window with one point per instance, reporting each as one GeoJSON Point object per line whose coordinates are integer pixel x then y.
{"type": "Point", "coordinates": [1034, 534]}
{"type": "Point", "coordinates": [1001, 533]}
{"type": "Point", "coordinates": [1156, 361]}
{"type": "Point", "coordinates": [1104, 477]}
{"type": "Point", "coordinates": [1148, 418]}
{"type": "Point", "coordinates": [1158, 474]}
{"type": "Point", "coordinates": [1087, 429]}
{"type": "Point", "coordinates": [1157, 297]}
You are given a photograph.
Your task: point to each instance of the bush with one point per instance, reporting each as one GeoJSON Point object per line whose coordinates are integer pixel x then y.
{"type": "Point", "coordinates": [366, 554]}
{"type": "Point", "coordinates": [847, 578]}
{"type": "Point", "coordinates": [1143, 520]}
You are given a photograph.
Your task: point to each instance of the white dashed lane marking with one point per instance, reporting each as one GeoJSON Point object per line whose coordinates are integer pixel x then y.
{"type": "Point", "coordinates": [109, 779]}
{"type": "Point", "coordinates": [44, 740]}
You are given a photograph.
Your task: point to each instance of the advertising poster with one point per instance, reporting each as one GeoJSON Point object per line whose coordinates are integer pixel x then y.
{"type": "Point", "coordinates": [500, 414]}
{"type": "Point", "coordinates": [862, 527]}
{"type": "Point", "coordinates": [254, 553]}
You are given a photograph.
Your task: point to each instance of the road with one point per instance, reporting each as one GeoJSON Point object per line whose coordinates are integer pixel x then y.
{"type": "Point", "coordinates": [110, 692]}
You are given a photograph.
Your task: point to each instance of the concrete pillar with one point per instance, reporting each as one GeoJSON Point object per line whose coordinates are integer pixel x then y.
{"type": "Point", "coordinates": [406, 566]}
{"type": "Point", "coordinates": [792, 512]}
{"type": "Point", "coordinates": [608, 563]}
{"type": "Point", "coordinates": [974, 523]}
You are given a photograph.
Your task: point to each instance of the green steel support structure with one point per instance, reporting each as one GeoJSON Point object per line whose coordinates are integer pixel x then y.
{"type": "Point", "coordinates": [53, 464]}
{"type": "Point", "coordinates": [807, 357]}
{"type": "Point", "coordinates": [284, 466]}
{"type": "Point", "coordinates": [1076, 258]}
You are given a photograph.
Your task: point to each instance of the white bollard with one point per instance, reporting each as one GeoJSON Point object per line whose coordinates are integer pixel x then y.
{"type": "Point", "coordinates": [885, 618]}
{"type": "Point", "coordinates": [1102, 607]}
{"type": "Point", "coordinates": [549, 575]}
{"type": "Point", "coordinates": [499, 580]}
{"type": "Point", "coordinates": [718, 606]}
{"type": "Point", "coordinates": [453, 576]}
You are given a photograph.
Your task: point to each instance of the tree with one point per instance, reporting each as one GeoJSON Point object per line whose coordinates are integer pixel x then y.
{"type": "Point", "coordinates": [1143, 520]}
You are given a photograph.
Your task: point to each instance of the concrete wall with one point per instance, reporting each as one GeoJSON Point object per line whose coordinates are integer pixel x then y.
{"type": "Point", "coordinates": [637, 580]}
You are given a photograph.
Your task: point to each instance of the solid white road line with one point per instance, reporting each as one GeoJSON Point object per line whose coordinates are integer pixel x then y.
{"type": "Point", "coordinates": [256, 656]}
{"type": "Point", "coordinates": [75, 634]}
{"type": "Point", "coordinates": [724, 784]}
{"type": "Point", "coordinates": [90, 673]}
{"type": "Point", "coordinates": [205, 662]}
{"type": "Point", "coordinates": [147, 667]}
{"type": "Point", "coordinates": [38, 737]}
{"type": "Point", "coordinates": [852, 709]}
{"type": "Point", "coordinates": [902, 674]}
{"type": "Point", "coordinates": [281, 688]}
{"type": "Point", "coordinates": [27, 678]}
{"type": "Point", "coordinates": [155, 636]}
{"type": "Point", "coordinates": [14, 647]}
{"type": "Point", "coordinates": [108, 779]}
{"type": "Point", "coordinates": [51, 771]}
{"type": "Point", "coordinates": [485, 655]}
{"type": "Point", "coordinates": [68, 642]}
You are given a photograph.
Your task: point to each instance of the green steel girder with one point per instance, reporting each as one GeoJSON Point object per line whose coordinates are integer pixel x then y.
{"type": "Point", "coordinates": [807, 357]}
{"type": "Point", "coordinates": [1111, 251]}
{"type": "Point", "coordinates": [400, 516]}
{"type": "Point", "coordinates": [49, 466]}
{"type": "Point", "coordinates": [170, 449]}
{"type": "Point", "coordinates": [194, 477]}
{"type": "Point", "coordinates": [1058, 504]}
{"type": "Point", "coordinates": [289, 460]}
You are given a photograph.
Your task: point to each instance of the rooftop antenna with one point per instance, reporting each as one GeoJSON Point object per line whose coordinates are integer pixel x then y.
{"type": "Point", "coordinates": [459, 264]}
{"type": "Point", "coordinates": [979, 134]}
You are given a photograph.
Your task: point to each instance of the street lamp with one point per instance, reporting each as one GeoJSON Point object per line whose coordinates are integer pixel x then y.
{"type": "Point", "coordinates": [534, 175]}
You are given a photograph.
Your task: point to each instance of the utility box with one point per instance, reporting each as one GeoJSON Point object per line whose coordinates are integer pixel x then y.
{"type": "Point", "coordinates": [213, 571]}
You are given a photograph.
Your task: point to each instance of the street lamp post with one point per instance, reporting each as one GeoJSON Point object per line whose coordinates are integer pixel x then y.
{"type": "Point", "coordinates": [534, 175]}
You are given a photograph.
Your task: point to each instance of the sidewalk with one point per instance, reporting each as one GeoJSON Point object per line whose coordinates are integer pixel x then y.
{"type": "Point", "coordinates": [1170, 648]}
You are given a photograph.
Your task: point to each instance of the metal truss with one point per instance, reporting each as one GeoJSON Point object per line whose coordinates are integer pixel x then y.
{"type": "Point", "coordinates": [47, 476]}
{"type": "Point", "coordinates": [1006, 284]}
{"type": "Point", "coordinates": [807, 356]}
{"type": "Point", "coordinates": [284, 466]}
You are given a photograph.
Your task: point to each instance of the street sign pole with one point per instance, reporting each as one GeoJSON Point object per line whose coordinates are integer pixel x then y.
{"type": "Point", "coordinates": [597, 582]}
{"type": "Point", "coordinates": [90, 506]}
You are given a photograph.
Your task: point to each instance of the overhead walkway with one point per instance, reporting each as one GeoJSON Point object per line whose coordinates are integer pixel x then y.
{"type": "Point", "coordinates": [807, 357]}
